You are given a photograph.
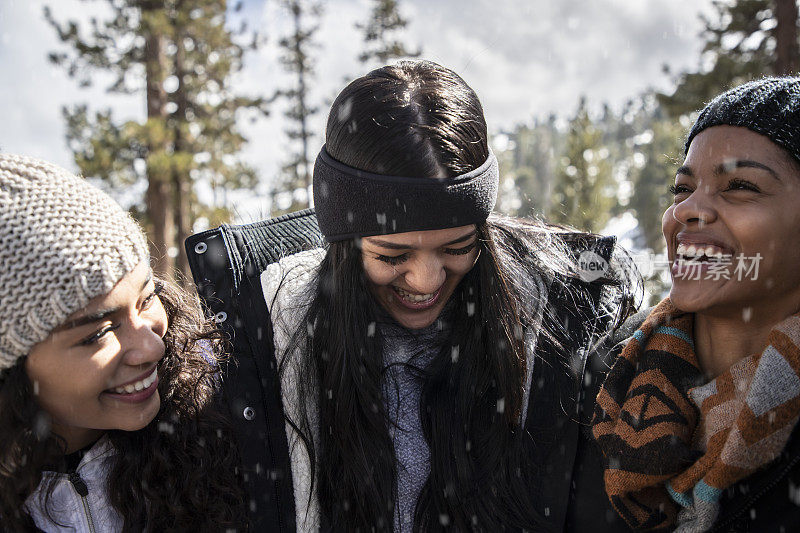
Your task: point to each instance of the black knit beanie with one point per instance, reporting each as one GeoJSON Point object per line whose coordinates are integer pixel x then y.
{"type": "Point", "coordinates": [769, 106]}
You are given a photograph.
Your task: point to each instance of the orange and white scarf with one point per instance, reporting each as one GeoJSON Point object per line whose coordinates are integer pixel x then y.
{"type": "Point", "coordinates": [672, 443]}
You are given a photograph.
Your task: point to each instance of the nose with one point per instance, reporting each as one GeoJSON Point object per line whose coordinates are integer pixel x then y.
{"type": "Point", "coordinates": [698, 209]}
{"type": "Point", "coordinates": [144, 343]}
{"type": "Point", "coordinates": [426, 274]}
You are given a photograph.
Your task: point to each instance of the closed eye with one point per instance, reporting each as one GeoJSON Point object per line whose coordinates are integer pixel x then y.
{"type": "Point", "coordinates": [148, 301]}
{"type": "Point", "coordinates": [392, 259]}
{"type": "Point", "coordinates": [679, 189]}
{"type": "Point", "coordinates": [397, 259]}
{"type": "Point", "coordinates": [462, 251]}
{"type": "Point", "coordinates": [738, 184]}
{"type": "Point", "coordinates": [94, 337]}
{"type": "Point", "coordinates": [108, 328]}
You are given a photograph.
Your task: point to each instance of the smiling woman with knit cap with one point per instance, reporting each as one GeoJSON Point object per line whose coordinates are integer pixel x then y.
{"type": "Point", "coordinates": [698, 416]}
{"type": "Point", "coordinates": [106, 414]}
{"type": "Point", "coordinates": [431, 353]}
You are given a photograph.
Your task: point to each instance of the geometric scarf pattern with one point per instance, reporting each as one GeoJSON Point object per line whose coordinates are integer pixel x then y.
{"type": "Point", "coordinates": [673, 442]}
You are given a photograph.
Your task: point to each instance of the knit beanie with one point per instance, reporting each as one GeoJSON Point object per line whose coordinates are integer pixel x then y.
{"type": "Point", "coordinates": [62, 243]}
{"type": "Point", "coordinates": [769, 106]}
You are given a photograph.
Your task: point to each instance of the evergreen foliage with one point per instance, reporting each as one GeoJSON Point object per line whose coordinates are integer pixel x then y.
{"type": "Point", "coordinates": [584, 192]}
{"type": "Point", "coordinates": [382, 34]}
{"type": "Point", "coordinates": [180, 55]}
{"type": "Point", "coordinates": [291, 191]}
{"type": "Point", "coordinates": [528, 168]}
{"type": "Point", "coordinates": [744, 40]}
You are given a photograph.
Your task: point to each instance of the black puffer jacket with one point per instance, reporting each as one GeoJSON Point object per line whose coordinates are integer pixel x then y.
{"type": "Point", "coordinates": [768, 501]}
{"type": "Point", "coordinates": [227, 263]}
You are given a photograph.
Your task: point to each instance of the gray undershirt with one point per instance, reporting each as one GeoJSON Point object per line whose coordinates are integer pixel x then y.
{"type": "Point", "coordinates": [406, 353]}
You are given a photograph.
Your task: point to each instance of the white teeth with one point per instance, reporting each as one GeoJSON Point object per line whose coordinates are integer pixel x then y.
{"type": "Point", "coordinates": [414, 297]}
{"type": "Point", "coordinates": [139, 385]}
{"type": "Point", "coordinates": [709, 251]}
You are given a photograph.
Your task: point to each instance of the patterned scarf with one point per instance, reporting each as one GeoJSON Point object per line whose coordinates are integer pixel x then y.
{"type": "Point", "coordinates": [672, 444]}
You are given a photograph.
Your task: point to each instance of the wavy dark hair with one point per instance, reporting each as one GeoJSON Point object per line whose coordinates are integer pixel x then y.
{"type": "Point", "coordinates": [180, 472]}
{"type": "Point", "coordinates": [416, 118]}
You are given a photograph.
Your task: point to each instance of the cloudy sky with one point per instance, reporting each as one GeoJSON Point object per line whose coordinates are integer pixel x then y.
{"type": "Point", "coordinates": [524, 58]}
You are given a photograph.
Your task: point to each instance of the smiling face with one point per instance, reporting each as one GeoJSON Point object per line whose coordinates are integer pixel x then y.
{"type": "Point", "coordinates": [737, 195]}
{"type": "Point", "coordinates": [413, 275]}
{"type": "Point", "coordinates": [98, 370]}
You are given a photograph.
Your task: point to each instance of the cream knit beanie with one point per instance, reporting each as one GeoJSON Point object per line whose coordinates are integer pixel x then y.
{"type": "Point", "coordinates": [62, 243]}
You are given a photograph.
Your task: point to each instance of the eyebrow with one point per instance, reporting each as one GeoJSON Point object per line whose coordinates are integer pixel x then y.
{"type": "Point", "coordinates": [98, 315]}
{"type": "Point", "coordinates": [724, 168]}
{"type": "Point", "coordinates": [396, 246]}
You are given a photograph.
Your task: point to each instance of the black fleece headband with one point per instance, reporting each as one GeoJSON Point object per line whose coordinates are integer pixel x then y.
{"type": "Point", "coordinates": [352, 203]}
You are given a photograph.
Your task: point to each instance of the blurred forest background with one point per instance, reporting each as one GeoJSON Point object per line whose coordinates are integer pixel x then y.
{"type": "Point", "coordinates": [594, 167]}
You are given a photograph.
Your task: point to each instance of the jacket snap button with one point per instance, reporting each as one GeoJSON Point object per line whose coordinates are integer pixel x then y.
{"type": "Point", "coordinates": [221, 317]}
{"type": "Point", "coordinates": [200, 248]}
{"type": "Point", "coordinates": [249, 413]}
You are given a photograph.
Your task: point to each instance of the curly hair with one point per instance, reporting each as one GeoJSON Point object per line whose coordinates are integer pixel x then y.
{"type": "Point", "coordinates": [180, 472]}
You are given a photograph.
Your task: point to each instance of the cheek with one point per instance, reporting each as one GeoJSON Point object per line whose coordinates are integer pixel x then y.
{"type": "Point", "coordinates": [42, 368]}
{"type": "Point", "coordinates": [459, 265]}
{"type": "Point", "coordinates": [668, 223]}
{"type": "Point", "coordinates": [379, 273]}
{"type": "Point", "coordinates": [160, 319]}
{"type": "Point", "coordinates": [55, 389]}
{"type": "Point", "coordinates": [760, 232]}
{"type": "Point", "coordinates": [61, 375]}
{"type": "Point", "coordinates": [772, 240]}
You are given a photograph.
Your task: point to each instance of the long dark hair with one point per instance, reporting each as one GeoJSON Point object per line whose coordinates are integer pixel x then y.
{"type": "Point", "coordinates": [180, 472]}
{"type": "Point", "coordinates": [420, 119]}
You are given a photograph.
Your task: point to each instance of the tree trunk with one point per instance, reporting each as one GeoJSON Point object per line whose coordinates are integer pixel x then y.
{"type": "Point", "coordinates": [301, 99]}
{"type": "Point", "coordinates": [180, 177]}
{"type": "Point", "coordinates": [159, 194]}
{"type": "Point", "coordinates": [786, 49]}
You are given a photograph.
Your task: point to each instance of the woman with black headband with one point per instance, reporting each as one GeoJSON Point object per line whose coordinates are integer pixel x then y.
{"type": "Point", "coordinates": [432, 356]}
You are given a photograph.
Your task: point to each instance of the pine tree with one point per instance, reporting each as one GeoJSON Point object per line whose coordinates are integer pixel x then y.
{"type": "Point", "coordinates": [656, 151]}
{"type": "Point", "coordinates": [745, 39]}
{"type": "Point", "coordinates": [529, 164]}
{"type": "Point", "coordinates": [180, 55]}
{"type": "Point", "coordinates": [584, 192]}
{"type": "Point", "coordinates": [647, 145]}
{"type": "Point", "coordinates": [381, 34]}
{"type": "Point", "coordinates": [295, 181]}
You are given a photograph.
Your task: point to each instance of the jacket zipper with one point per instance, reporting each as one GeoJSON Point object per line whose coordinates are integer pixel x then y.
{"type": "Point", "coordinates": [83, 492]}
{"type": "Point", "coordinates": [761, 493]}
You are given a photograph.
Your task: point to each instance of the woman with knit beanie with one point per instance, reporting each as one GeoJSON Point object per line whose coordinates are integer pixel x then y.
{"type": "Point", "coordinates": [697, 418]}
{"type": "Point", "coordinates": [431, 354]}
{"type": "Point", "coordinates": [107, 420]}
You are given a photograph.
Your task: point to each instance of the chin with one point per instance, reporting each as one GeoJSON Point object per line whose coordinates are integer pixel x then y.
{"type": "Point", "coordinates": [692, 296]}
{"type": "Point", "coordinates": [417, 322]}
{"type": "Point", "coordinates": [141, 421]}
{"type": "Point", "coordinates": [686, 301]}
{"type": "Point", "coordinates": [713, 301]}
